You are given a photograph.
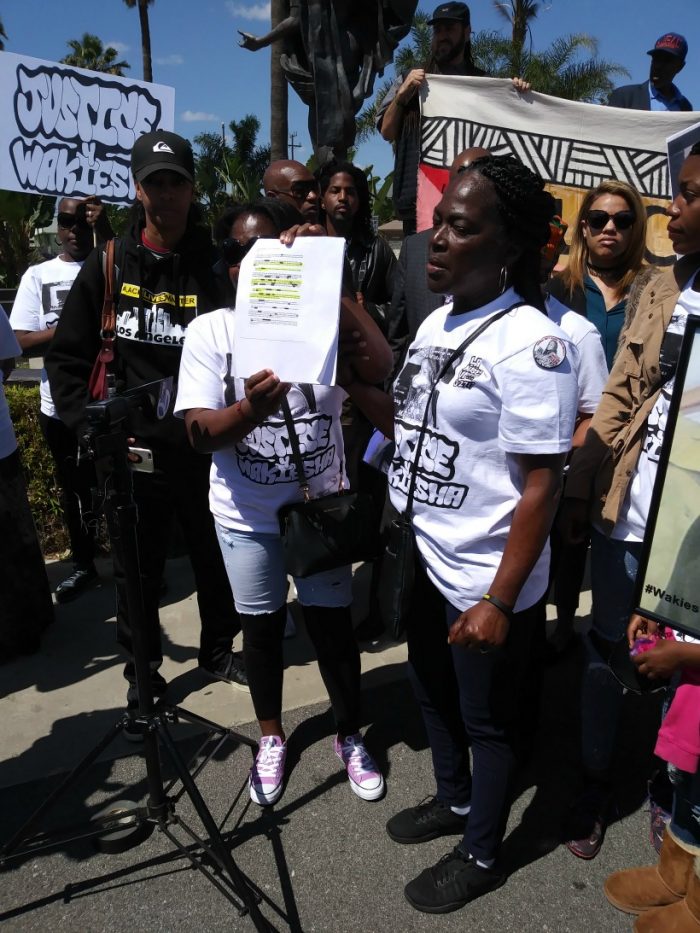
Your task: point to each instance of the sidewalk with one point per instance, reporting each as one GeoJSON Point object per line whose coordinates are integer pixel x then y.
{"type": "Point", "coordinates": [320, 857]}
{"type": "Point", "coordinates": [73, 689]}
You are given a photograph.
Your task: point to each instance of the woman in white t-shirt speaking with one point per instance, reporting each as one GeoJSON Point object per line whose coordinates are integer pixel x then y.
{"type": "Point", "coordinates": [252, 477]}
{"type": "Point", "coordinates": [499, 425]}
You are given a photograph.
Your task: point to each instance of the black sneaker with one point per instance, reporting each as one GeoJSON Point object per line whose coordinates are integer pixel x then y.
{"type": "Point", "coordinates": [79, 581]}
{"type": "Point", "coordinates": [230, 669]}
{"type": "Point", "coordinates": [429, 820]}
{"type": "Point", "coordinates": [450, 884]}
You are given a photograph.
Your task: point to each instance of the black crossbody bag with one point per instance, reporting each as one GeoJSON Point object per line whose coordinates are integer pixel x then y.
{"type": "Point", "coordinates": [328, 532]}
{"type": "Point", "coordinates": [398, 558]}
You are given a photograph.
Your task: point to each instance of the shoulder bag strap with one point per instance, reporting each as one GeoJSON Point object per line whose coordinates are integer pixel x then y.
{"type": "Point", "coordinates": [296, 450]}
{"type": "Point", "coordinates": [443, 369]}
{"type": "Point", "coordinates": [108, 326]}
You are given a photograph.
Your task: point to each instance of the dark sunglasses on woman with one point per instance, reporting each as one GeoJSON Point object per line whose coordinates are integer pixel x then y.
{"type": "Point", "coordinates": [234, 252]}
{"type": "Point", "coordinates": [598, 220]}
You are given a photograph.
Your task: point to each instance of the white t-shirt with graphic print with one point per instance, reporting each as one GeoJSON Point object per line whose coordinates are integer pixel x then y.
{"type": "Point", "coordinates": [593, 367]}
{"type": "Point", "coordinates": [38, 305]}
{"type": "Point", "coordinates": [632, 522]}
{"type": "Point", "coordinates": [251, 480]}
{"type": "Point", "coordinates": [514, 392]}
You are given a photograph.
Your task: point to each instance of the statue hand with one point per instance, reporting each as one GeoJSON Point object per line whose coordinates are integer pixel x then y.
{"type": "Point", "coordinates": [249, 41]}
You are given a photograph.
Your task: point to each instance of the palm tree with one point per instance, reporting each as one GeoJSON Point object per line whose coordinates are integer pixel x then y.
{"type": "Point", "coordinates": [569, 68]}
{"type": "Point", "coordinates": [519, 14]}
{"type": "Point", "coordinates": [279, 90]}
{"type": "Point", "coordinates": [88, 52]}
{"type": "Point", "coordinates": [3, 36]}
{"type": "Point", "coordinates": [145, 35]}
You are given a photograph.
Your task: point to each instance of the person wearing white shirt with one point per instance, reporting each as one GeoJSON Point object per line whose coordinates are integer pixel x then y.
{"type": "Point", "coordinates": [499, 426]}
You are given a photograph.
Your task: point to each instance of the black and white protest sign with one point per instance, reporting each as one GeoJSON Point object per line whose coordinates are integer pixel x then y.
{"type": "Point", "coordinates": [69, 132]}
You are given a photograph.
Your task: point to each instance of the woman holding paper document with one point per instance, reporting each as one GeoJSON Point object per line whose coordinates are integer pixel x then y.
{"type": "Point", "coordinates": [253, 476]}
{"type": "Point", "coordinates": [483, 413]}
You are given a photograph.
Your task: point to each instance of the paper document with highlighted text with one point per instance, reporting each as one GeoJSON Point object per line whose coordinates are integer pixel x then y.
{"type": "Point", "coordinates": [288, 309]}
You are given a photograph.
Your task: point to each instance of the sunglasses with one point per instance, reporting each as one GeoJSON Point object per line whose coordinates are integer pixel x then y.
{"type": "Point", "coordinates": [299, 190]}
{"type": "Point", "coordinates": [234, 252]}
{"type": "Point", "coordinates": [66, 221]}
{"type": "Point", "coordinates": [598, 220]}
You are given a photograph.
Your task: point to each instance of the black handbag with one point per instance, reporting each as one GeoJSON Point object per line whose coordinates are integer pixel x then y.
{"type": "Point", "coordinates": [328, 532]}
{"type": "Point", "coordinates": [399, 555]}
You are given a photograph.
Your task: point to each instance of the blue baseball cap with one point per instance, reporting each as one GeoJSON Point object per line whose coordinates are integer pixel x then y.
{"type": "Point", "coordinates": [672, 43]}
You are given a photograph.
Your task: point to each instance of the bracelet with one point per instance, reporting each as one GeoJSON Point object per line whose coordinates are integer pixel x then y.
{"type": "Point", "coordinates": [500, 605]}
{"type": "Point", "coordinates": [239, 408]}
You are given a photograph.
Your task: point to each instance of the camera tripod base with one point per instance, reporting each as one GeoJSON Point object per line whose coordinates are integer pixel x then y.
{"type": "Point", "coordinates": [130, 831]}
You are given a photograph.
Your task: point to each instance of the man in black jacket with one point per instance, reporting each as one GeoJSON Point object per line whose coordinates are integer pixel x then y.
{"type": "Point", "coordinates": [164, 279]}
{"type": "Point", "coordinates": [659, 92]}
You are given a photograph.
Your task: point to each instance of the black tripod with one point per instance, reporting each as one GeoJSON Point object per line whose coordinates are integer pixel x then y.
{"type": "Point", "coordinates": [126, 825]}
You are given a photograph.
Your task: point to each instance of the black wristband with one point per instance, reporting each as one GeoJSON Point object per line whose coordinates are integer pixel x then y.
{"type": "Point", "coordinates": [500, 605]}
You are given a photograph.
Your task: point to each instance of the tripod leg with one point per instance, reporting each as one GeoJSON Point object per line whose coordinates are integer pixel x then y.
{"type": "Point", "coordinates": [22, 833]}
{"type": "Point", "coordinates": [217, 843]}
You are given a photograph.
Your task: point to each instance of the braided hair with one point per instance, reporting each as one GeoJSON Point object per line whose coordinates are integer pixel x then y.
{"type": "Point", "coordinates": [526, 210]}
{"type": "Point", "coordinates": [362, 221]}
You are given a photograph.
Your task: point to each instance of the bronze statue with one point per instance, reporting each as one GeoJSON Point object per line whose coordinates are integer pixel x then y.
{"type": "Point", "coordinates": [334, 49]}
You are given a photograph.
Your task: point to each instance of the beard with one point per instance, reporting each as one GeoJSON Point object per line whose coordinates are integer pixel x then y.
{"type": "Point", "coordinates": [450, 51]}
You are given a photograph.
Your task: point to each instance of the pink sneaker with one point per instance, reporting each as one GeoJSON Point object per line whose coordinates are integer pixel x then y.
{"type": "Point", "coordinates": [365, 777]}
{"type": "Point", "coordinates": [267, 774]}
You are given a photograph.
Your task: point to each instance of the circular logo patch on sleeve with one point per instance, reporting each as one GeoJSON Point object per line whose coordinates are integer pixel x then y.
{"type": "Point", "coordinates": [549, 352]}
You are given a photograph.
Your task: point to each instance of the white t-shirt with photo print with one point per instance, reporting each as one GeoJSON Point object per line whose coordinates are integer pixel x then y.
{"type": "Point", "coordinates": [632, 522]}
{"type": "Point", "coordinates": [251, 480]}
{"type": "Point", "coordinates": [38, 305]}
{"type": "Point", "coordinates": [513, 392]}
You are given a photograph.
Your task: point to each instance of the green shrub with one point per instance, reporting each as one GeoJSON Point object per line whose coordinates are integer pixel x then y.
{"type": "Point", "coordinates": [42, 486]}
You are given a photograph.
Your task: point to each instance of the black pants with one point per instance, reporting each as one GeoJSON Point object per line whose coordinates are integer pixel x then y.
{"type": "Point", "coordinates": [469, 701]}
{"type": "Point", "coordinates": [331, 634]}
{"type": "Point", "coordinates": [76, 479]}
{"type": "Point", "coordinates": [179, 488]}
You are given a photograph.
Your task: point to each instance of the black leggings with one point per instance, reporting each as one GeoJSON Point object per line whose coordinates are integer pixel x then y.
{"type": "Point", "coordinates": [331, 634]}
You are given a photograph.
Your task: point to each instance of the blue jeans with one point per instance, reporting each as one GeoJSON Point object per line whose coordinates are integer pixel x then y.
{"type": "Point", "coordinates": [613, 573]}
{"type": "Point", "coordinates": [255, 566]}
{"type": "Point", "coordinates": [685, 817]}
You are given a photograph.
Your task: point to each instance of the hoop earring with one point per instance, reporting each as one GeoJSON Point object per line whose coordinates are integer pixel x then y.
{"type": "Point", "coordinates": [503, 280]}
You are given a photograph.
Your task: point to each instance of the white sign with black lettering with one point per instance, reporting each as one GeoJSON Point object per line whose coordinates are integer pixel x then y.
{"type": "Point", "coordinates": [69, 132]}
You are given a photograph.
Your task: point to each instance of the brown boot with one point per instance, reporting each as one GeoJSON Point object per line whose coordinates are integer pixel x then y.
{"type": "Point", "coordinates": [682, 917]}
{"type": "Point", "coordinates": [638, 889]}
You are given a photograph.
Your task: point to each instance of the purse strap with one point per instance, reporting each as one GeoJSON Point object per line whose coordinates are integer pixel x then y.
{"type": "Point", "coordinates": [296, 449]}
{"type": "Point", "coordinates": [108, 325]}
{"type": "Point", "coordinates": [443, 369]}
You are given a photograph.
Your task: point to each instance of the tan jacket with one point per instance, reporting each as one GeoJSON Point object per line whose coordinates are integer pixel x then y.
{"type": "Point", "coordinates": [601, 469]}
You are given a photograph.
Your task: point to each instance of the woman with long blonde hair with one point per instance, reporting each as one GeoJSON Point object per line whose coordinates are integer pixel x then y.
{"type": "Point", "coordinates": [606, 254]}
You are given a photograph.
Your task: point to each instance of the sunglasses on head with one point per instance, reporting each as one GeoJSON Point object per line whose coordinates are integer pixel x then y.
{"type": "Point", "coordinates": [234, 252]}
{"type": "Point", "coordinates": [598, 220]}
{"type": "Point", "coordinates": [66, 221]}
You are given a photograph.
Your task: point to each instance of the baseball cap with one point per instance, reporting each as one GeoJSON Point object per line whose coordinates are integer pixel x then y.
{"type": "Point", "coordinates": [673, 44]}
{"type": "Point", "coordinates": [160, 150]}
{"type": "Point", "coordinates": [454, 11]}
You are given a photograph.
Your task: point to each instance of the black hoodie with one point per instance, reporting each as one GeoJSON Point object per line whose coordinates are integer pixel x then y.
{"type": "Point", "coordinates": [157, 297]}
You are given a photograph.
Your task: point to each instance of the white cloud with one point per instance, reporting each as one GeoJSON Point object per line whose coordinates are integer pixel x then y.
{"type": "Point", "coordinates": [257, 11]}
{"type": "Point", "coordinates": [120, 47]}
{"type": "Point", "coordinates": [174, 59]}
{"type": "Point", "coordinates": [199, 116]}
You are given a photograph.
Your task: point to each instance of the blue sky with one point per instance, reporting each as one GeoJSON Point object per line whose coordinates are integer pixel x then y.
{"type": "Point", "coordinates": [195, 49]}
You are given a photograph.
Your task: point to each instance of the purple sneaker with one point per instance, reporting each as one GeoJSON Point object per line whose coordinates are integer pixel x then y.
{"type": "Point", "coordinates": [267, 774]}
{"type": "Point", "coordinates": [365, 777]}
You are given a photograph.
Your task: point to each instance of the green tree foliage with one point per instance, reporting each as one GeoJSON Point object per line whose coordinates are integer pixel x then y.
{"type": "Point", "coordinates": [20, 215]}
{"type": "Point", "coordinates": [89, 52]}
{"type": "Point", "coordinates": [42, 487]}
{"type": "Point", "coordinates": [143, 6]}
{"type": "Point", "coordinates": [227, 172]}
